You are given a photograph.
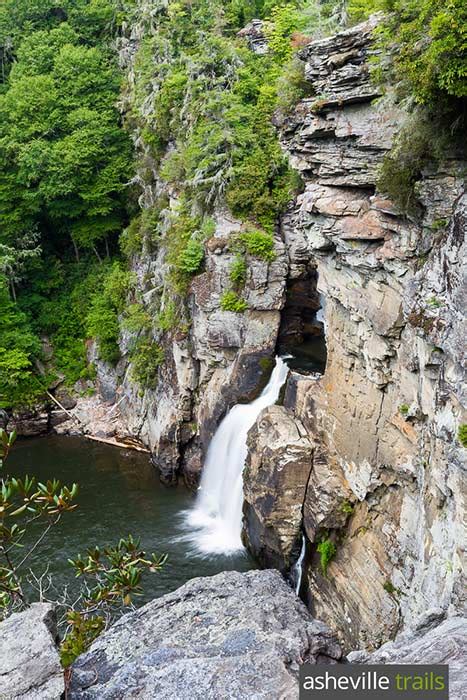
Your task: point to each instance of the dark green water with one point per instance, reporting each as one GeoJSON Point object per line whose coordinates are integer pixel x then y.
{"type": "Point", "coordinates": [120, 493]}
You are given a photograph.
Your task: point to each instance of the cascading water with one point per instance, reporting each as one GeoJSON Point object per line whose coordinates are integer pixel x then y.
{"type": "Point", "coordinates": [215, 522]}
{"type": "Point", "coordinates": [297, 571]}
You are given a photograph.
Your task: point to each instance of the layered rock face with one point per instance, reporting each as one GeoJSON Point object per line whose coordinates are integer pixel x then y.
{"type": "Point", "coordinates": [387, 485]}
{"type": "Point", "coordinates": [227, 636]}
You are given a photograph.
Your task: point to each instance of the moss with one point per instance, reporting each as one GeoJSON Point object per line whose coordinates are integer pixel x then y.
{"type": "Point", "coordinates": [230, 301]}
{"type": "Point", "coordinates": [403, 409]}
{"type": "Point", "coordinates": [327, 551]}
{"type": "Point", "coordinates": [462, 434]}
{"type": "Point", "coordinates": [390, 588]}
{"type": "Point", "coordinates": [266, 364]}
{"type": "Point", "coordinates": [347, 508]}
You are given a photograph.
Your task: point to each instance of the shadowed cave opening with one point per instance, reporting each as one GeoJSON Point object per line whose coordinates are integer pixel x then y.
{"type": "Point", "coordinates": [302, 330]}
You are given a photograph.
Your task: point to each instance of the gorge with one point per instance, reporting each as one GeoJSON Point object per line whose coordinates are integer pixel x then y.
{"type": "Point", "coordinates": [290, 339]}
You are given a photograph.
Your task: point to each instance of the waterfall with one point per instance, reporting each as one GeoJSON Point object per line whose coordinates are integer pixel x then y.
{"type": "Point", "coordinates": [321, 313]}
{"type": "Point", "coordinates": [215, 522]}
{"type": "Point", "coordinates": [297, 571]}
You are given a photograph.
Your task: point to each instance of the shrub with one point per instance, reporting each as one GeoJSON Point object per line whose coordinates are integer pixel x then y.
{"type": "Point", "coordinates": [327, 551]}
{"type": "Point", "coordinates": [404, 409]}
{"type": "Point", "coordinates": [230, 301]}
{"type": "Point", "coordinates": [167, 317]}
{"type": "Point", "coordinates": [238, 271]}
{"type": "Point", "coordinates": [191, 258]}
{"type": "Point", "coordinates": [462, 434]}
{"type": "Point", "coordinates": [146, 358]}
{"type": "Point", "coordinates": [259, 244]}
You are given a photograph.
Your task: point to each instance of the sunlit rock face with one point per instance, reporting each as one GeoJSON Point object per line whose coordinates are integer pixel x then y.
{"type": "Point", "coordinates": [387, 484]}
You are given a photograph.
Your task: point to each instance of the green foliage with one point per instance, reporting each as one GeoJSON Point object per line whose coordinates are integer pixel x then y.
{"type": "Point", "coordinates": [327, 551]}
{"type": "Point", "coordinates": [404, 409]}
{"type": "Point", "coordinates": [347, 508]}
{"type": "Point", "coordinates": [167, 317]}
{"type": "Point", "coordinates": [146, 358]}
{"type": "Point", "coordinates": [259, 244]}
{"type": "Point", "coordinates": [462, 434]}
{"type": "Point", "coordinates": [191, 258]}
{"type": "Point", "coordinates": [82, 632]}
{"type": "Point", "coordinates": [422, 139]}
{"type": "Point", "coordinates": [431, 56]}
{"type": "Point", "coordinates": [106, 304]}
{"type": "Point", "coordinates": [19, 347]}
{"type": "Point", "coordinates": [238, 271]}
{"type": "Point", "coordinates": [427, 40]}
{"type": "Point", "coordinates": [230, 301]}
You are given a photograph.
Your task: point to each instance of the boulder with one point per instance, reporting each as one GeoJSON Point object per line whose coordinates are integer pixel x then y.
{"type": "Point", "coordinates": [234, 635]}
{"type": "Point", "coordinates": [428, 643]}
{"type": "Point", "coordinates": [29, 663]}
{"type": "Point", "coordinates": [276, 475]}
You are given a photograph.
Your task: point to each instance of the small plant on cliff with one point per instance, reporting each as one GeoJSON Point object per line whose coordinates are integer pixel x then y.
{"type": "Point", "coordinates": [327, 551]}
{"type": "Point", "coordinates": [462, 434]}
{"type": "Point", "coordinates": [259, 244]}
{"type": "Point", "coordinates": [403, 409]}
{"type": "Point", "coordinates": [238, 271]}
{"type": "Point", "coordinates": [230, 301]}
{"type": "Point", "coordinates": [146, 358]}
{"type": "Point", "coordinates": [347, 508]}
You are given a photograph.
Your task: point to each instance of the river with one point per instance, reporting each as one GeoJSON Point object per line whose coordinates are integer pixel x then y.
{"type": "Point", "coordinates": [120, 493]}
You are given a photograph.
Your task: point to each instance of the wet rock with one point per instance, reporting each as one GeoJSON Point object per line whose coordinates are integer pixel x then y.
{"type": "Point", "coordinates": [29, 423]}
{"type": "Point", "coordinates": [30, 667]}
{"type": "Point", "coordinates": [227, 636]}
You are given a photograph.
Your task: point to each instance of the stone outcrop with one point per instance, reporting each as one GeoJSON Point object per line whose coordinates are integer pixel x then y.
{"type": "Point", "coordinates": [387, 485]}
{"type": "Point", "coordinates": [276, 477]}
{"type": "Point", "coordinates": [227, 636]}
{"type": "Point", "coordinates": [430, 642]}
{"type": "Point", "coordinates": [30, 667]}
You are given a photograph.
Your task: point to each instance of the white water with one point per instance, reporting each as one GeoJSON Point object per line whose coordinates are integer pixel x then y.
{"type": "Point", "coordinates": [216, 520]}
{"type": "Point", "coordinates": [298, 567]}
{"type": "Point", "coordinates": [321, 313]}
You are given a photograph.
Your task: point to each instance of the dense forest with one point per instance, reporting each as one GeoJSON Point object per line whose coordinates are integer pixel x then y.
{"type": "Point", "coordinates": [70, 223]}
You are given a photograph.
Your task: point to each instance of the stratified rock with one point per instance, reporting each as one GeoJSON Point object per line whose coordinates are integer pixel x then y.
{"type": "Point", "coordinates": [428, 643]}
{"type": "Point", "coordinates": [275, 478]}
{"type": "Point", "coordinates": [30, 667]}
{"type": "Point", "coordinates": [228, 636]}
{"type": "Point", "coordinates": [388, 482]}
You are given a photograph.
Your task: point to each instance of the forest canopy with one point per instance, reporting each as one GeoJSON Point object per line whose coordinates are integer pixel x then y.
{"type": "Point", "coordinates": [69, 218]}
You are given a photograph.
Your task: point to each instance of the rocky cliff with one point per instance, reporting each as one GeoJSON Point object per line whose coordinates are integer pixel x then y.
{"type": "Point", "coordinates": [364, 461]}
{"type": "Point", "coordinates": [368, 460]}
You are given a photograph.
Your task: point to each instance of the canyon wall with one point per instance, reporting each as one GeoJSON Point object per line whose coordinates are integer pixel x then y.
{"type": "Point", "coordinates": [363, 461]}
{"type": "Point", "coordinates": [385, 487]}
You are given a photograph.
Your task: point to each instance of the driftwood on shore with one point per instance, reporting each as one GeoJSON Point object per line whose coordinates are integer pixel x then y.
{"type": "Point", "coordinates": [129, 445]}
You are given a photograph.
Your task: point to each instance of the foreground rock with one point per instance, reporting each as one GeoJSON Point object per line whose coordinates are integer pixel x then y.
{"type": "Point", "coordinates": [429, 643]}
{"type": "Point", "coordinates": [228, 636]}
{"type": "Point", "coordinates": [29, 663]}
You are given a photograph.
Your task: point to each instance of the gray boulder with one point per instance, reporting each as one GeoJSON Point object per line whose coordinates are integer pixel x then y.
{"type": "Point", "coordinates": [29, 663]}
{"type": "Point", "coordinates": [234, 635]}
{"type": "Point", "coordinates": [431, 642]}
